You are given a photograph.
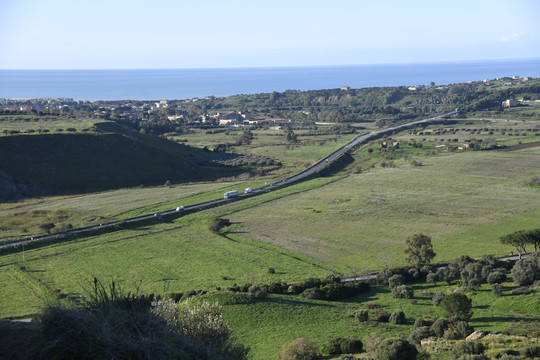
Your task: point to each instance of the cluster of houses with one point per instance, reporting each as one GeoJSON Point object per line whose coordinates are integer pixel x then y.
{"type": "Point", "coordinates": [240, 119]}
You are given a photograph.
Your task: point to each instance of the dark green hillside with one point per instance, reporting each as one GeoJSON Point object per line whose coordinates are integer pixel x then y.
{"type": "Point", "coordinates": [68, 163]}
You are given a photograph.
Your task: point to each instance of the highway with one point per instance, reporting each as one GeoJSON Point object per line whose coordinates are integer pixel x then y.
{"type": "Point", "coordinates": [198, 207]}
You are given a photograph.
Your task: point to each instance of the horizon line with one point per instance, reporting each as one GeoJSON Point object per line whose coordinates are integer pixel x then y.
{"type": "Point", "coordinates": [285, 66]}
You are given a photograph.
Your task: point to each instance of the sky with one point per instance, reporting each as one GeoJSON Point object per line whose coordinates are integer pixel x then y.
{"type": "Point", "coordinates": [133, 34]}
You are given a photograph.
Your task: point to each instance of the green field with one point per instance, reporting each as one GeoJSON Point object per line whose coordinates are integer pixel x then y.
{"type": "Point", "coordinates": [353, 219]}
{"type": "Point", "coordinates": [33, 124]}
{"type": "Point", "coordinates": [269, 323]}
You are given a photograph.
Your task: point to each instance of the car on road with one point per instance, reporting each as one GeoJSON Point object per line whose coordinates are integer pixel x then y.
{"type": "Point", "coordinates": [179, 208]}
{"type": "Point", "coordinates": [157, 214]}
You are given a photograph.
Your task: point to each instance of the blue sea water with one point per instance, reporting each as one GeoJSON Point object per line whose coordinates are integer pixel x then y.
{"type": "Point", "coordinates": [153, 84]}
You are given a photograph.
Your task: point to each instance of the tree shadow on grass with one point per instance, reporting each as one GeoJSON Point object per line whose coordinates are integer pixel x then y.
{"type": "Point", "coordinates": [295, 300]}
{"type": "Point", "coordinates": [502, 319]}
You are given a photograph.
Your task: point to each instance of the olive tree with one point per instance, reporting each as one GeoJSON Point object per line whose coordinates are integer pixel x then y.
{"type": "Point", "coordinates": [419, 249]}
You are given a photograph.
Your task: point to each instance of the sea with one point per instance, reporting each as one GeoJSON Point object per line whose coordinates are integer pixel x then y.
{"type": "Point", "coordinates": [178, 84]}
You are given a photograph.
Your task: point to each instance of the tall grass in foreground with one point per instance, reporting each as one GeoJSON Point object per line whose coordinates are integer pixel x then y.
{"type": "Point", "coordinates": [111, 324]}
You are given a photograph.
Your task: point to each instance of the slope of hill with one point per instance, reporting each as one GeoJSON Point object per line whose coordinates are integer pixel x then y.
{"type": "Point", "coordinates": [81, 162]}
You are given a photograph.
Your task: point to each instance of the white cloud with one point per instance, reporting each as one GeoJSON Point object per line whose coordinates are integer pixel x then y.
{"type": "Point", "coordinates": [512, 37]}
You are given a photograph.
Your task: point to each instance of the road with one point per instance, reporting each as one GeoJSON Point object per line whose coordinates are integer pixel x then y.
{"type": "Point", "coordinates": [197, 207]}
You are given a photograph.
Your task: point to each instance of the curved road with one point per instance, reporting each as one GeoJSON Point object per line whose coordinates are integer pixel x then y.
{"type": "Point", "coordinates": [197, 207]}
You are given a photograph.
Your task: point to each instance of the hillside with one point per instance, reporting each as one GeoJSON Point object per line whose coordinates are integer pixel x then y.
{"type": "Point", "coordinates": [41, 164]}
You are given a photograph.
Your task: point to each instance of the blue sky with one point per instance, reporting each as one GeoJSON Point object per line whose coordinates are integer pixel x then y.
{"type": "Point", "coordinates": [99, 34]}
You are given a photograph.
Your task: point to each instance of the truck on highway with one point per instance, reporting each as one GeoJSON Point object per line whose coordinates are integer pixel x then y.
{"type": "Point", "coordinates": [230, 194]}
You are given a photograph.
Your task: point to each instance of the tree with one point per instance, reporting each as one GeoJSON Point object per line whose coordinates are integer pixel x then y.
{"type": "Point", "coordinates": [290, 136]}
{"type": "Point", "coordinates": [419, 249]}
{"type": "Point", "coordinates": [457, 305]}
{"type": "Point", "coordinates": [246, 138]}
{"type": "Point", "coordinates": [396, 349]}
{"type": "Point", "coordinates": [525, 271]}
{"type": "Point", "coordinates": [517, 239]}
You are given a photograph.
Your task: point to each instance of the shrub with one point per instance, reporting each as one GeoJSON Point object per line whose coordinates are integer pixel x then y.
{"type": "Point", "coordinates": [258, 292]}
{"type": "Point", "coordinates": [203, 324]}
{"type": "Point", "coordinates": [396, 280]}
{"type": "Point", "coordinates": [420, 333]}
{"type": "Point", "coordinates": [113, 325]}
{"type": "Point", "coordinates": [438, 298]}
{"type": "Point", "coordinates": [403, 292]}
{"type": "Point", "coordinates": [351, 346]}
{"type": "Point", "coordinates": [451, 334]}
{"type": "Point", "coordinates": [432, 277]}
{"type": "Point", "coordinates": [466, 348]}
{"type": "Point", "coordinates": [439, 327]}
{"type": "Point", "coordinates": [471, 276]}
{"type": "Point", "coordinates": [383, 317]}
{"type": "Point", "coordinates": [396, 349]}
{"type": "Point", "coordinates": [361, 315]}
{"type": "Point", "coordinates": [457, 305]}
{"type": "Point", "coordinates": [496, 289]}
{"type": "Point", "coordinates": [217, 223]}
{"type": "Point", "coordinates": [419, 323]}
{"type": "Point", "coordinates": [496, 277]}
{"type": "Point", "coordinates": [508, 357]}
{"type": "Point", "coordinates": [333, 348]}
{"type": "Point", "coordinates": [348, 357]}
{"type": "Point", "coordinates": [474, 357]}
{"type": "Point", "coordinates": [299, 349]}
{"type": "Point", "coordinates": [530, 351]}
{"type": "Point", "coordinates": [397, 317]}
{"type": "Point", "coordinates": [524, 272]}
{"type": "Point", "coordinates": [47, 227]}
{"type": "Point", "coordinates": [463, 328]}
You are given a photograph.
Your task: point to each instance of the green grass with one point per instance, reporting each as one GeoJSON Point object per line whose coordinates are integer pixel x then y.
{"type": "Point", "coordinates": [33, 124]}
{"type": "Point", "coordinates": [363, 220]}
{"type": "Point", "coordinates": [269, 323]}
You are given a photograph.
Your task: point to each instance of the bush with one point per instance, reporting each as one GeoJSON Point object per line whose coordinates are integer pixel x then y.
{"type": "Point", "coordinates": [420, 333]}
{"type": "Point", "coordinates": [351, 346]}
{"type": "Point", "coordinates": [217, 223]}
{"type": "Point", "coordinates": [496, 277]}
{"type": "Point", "coordinates": [439, 327]}
{"type": "Point", "coordinates": [474, 357]}
{"type": "Point", "coordinates": [299, 349]}
{"type": "Point", "coordinates": [496, 289]}
{"type": "Point", "coordinates": [396, 349]}
{"type": "Point", "coordinates": [530, 351]}
{"type": "Point", "coordinates": [383, 317]}
{"type": "Point", "coordinates": [348, 357]}
{"type": "Point", "coordinates": [419, 323]}
{"type": "Point", "coordinates": [464, 329]}
{"type": "Point", "coordinates": [466, 348]}
{"type": "Point", "coordinates": [471, 276]}
{"type": "Point", "coordinates": [333, 348]}
{"type": "Point", "coordinates": [258, 292]}
{"type": "Point", "coordinates": [508, 357]}
{"type": "Point", "coordinates": [457, 305]}
{"type": "Point", "coordinates": [397, 317]}
{"type": "Point", "coordinates": [524, 272]}
{"type": "Point", "coordinates": [112, 325]}
{"type": "Point", "coordinates": [362, 315]}
{"type": "Point", "coordinates": [403, 292]}
{"type": "Point", "coordinates": [396, 280]}
{"type": "Point", "coordinates": [203, 324]}
{"type": "Point", "coordinates": [438, 298]}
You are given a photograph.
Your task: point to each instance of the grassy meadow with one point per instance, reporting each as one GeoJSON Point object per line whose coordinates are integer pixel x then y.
{"type": "Point", "coordinates": [346, 222]}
